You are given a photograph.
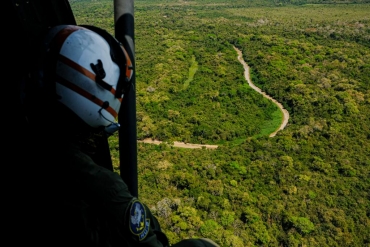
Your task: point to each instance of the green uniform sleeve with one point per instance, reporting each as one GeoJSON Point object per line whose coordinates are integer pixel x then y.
{"type": "Point", "coordinates": [127, 220]}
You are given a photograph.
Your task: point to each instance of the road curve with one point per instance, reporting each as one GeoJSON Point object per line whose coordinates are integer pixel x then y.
{"type": "Point", "coordinates": [247, 77]}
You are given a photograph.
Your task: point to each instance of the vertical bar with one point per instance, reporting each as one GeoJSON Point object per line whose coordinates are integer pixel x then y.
{"type": "Point", "coordinates": [124, 32]}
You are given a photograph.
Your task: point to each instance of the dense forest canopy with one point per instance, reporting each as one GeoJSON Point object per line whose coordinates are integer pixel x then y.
{"type": "Point", "coordinates": [308, 185]}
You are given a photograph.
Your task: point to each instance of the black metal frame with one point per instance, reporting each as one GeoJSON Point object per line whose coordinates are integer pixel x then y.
{"type": "Point", "coordinates": [124, 32]}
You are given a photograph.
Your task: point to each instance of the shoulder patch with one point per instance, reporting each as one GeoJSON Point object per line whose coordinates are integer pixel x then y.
{"type": "Point", "coordinates": [139, 224]}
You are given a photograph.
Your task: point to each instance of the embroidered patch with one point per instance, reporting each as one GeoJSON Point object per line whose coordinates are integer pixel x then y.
{"type": "Point", "coordinates": [139, 224]}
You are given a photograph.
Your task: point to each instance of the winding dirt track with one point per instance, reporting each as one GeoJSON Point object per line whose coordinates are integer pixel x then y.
{"type": "Point", "coordinates": [247, 78]}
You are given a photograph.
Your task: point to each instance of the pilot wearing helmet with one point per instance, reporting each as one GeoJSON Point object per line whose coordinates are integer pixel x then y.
{"type": "Point", "coordinates": [81, 77]}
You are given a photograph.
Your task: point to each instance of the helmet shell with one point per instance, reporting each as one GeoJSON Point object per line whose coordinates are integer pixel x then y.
{"type": "Point", "coordinates": [89, 94]}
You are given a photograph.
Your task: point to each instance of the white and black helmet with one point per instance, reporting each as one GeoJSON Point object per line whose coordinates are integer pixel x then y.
{"type": "Point", "coordinates": [91, 71]}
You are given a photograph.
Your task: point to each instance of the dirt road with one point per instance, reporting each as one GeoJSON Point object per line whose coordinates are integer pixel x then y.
{"type": "Point", "coordinates": [180, 144]}
{"type": "Point", "coordinates": [247, 77]}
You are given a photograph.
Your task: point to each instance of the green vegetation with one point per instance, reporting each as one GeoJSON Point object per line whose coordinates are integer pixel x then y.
{"type": "Point", "coordinates": [270, 126]}
{"type": "Point", "coordinates": [307, 186]}
{"type": "Point", "coordinates": [192, 70]}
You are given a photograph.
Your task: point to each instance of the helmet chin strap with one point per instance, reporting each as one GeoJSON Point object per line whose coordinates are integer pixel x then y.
{"type": "Point", "coordinates": [113, 127]}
